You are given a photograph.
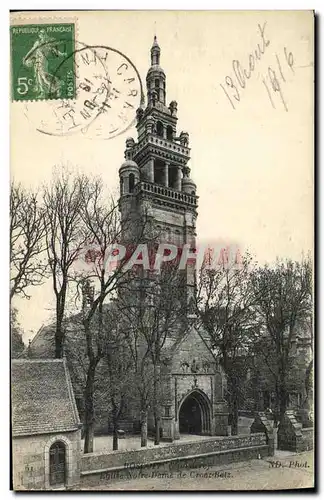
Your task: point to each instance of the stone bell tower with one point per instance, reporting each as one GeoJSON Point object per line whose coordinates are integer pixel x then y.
{"type": "Point", "coordinates": [155, 178]}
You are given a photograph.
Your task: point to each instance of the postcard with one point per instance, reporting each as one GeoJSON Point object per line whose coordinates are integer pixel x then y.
{"type": "Point", "coordinates": [162, 250]}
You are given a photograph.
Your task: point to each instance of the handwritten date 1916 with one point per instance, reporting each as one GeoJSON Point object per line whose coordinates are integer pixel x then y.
{"type": "Point", "coordinates": [275, 77]}
{"type": "Point", "coordinates": [275, 80]}
{"type": "Point", "coordinates": [242, 74]}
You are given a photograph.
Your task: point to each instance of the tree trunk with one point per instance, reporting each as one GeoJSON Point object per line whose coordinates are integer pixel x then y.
{"type": "Point", "coordinates": [59, 335]}
{"type": "Point", "coordinates": [143, 428]}
{"type": "Point", "coordinates": [89, 409]}
{"type": "Point", "coordinates": [156, 406]}
{"type": "Point", "coordinates": [234, 404]}
{"type": "Point", "coordinates": [276, 413]}
{"type": "Point", "coordinates": [157, 429]}
{"type": "Point", "coordinates": [60, 308]}
{"type": "Point", "coordinates": [88, 438]}
{"type": "Point", "coordinates": [234, 427]}
{"type": "Point", "coordinates": [283, 402]}
{"type": "Point", "coordinates": [115, 437]}
{"type": "Point", "coordinates": [58, 346]}
{"type": "Point", "coordinates": [115, 427]}
{"type": "Point", "coordinates": [283, 396]}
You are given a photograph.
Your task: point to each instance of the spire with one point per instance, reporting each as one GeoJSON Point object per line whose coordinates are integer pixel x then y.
{"type": "Point", "coordinates": [155, 52]}
{"type": "Point", "coordinates": [155, 78]}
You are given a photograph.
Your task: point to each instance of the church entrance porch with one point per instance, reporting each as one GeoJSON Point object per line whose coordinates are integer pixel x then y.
{"type": "Point", "coordinates": [195, 414]}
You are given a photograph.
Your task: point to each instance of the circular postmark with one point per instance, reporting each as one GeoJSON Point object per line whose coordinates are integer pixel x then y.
{"type": "Point", "coordinates": [108, 90]}
{"type": "Point", "coordinates": [125, 96]}
{"type": "Point", "coordinates": [86, 79]}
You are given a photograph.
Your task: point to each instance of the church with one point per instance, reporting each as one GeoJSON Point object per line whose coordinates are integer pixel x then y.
{"type": "Point", "coordinates": [155, 182]}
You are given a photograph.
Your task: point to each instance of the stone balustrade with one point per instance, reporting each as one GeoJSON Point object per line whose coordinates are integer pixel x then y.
{"type": "Point", "coordinates": [165, 192]}
{"type": "Point", "coordinates": [160, 141]}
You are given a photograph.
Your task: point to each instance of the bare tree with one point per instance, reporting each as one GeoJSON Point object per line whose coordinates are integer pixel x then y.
{"type": "Point", "coordinates": [65, 237]}
{"type": "Point", "coordinates": [119, 370]}
{"type": "Point", "coordinates": [27, 241]}
{"type": "Point", "coordinates": [159, 309]}
{"type": "Point", "coordinates": [101, 223]}
{"type": "Point", "coordinates": [141, 361]}
{"type": "Point", "coordinates": [283, 296]}
{"type": "Point", "coordinates": [103, 230]}
{"type": "Point", "coordinates": [225, 306]}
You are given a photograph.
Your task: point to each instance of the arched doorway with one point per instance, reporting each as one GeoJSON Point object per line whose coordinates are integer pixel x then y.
{"type": "Point", "coordinates": [57, 472]}
{"type": "Point", "coordinates": [194, 414]}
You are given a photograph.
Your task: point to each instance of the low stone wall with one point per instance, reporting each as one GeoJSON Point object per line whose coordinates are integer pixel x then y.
{"type": "Point", "coordinates": [308, 438]}
{"type": "Point", "coordinates": [292, 436]}
{"type": "Point", "coordinates": [176, 456]}
{"type": "Point", "coordinates": [262, 424]}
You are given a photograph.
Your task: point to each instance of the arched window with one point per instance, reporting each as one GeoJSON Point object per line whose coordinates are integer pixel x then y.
{"type": "Point", "coordinates": [157, 83]}
{"type": "Point", "coordinates": [159, 129]}
{"type": "Point", "coordinates": [131, 183]}
{"type": "Point", "coordinates": [57, 472]}
{"type": "Point", "coordinates": [192, 192]}
{"type": "Point", "coordinates": [169, 132]}
{"type": "Point", "coordinates": [121, 186]}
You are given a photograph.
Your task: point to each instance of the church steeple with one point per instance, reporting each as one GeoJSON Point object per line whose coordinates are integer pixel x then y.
{"type": "Point", "coordinates": [155, 52]}
{"type": "Point", "coordinates": [155, 79]}
{"type": "Point", "coordinates": [155, 179]}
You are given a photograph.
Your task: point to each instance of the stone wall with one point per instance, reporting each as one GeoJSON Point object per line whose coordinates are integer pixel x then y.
{"type": "Point", "coordinates": [30, 460]}
{"type": "Point", "coordinates": [308, 438]}
{"type": "Point", "coordinates": [174, 467]}
{"type": "Point", "coordinates": [210, 451]}
{"type": "Point", "coordinates": [262, 424]}
{"type": "Point", "coordinates": [292, 436]}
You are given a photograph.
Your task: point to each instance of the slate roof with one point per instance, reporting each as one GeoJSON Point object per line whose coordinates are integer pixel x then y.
{"type": "Point", "coordinates": [42, 397]}
{"type": "Point", "coordinates": [171, 345]}
{"type": "Point", "coordinates": [43, 344]}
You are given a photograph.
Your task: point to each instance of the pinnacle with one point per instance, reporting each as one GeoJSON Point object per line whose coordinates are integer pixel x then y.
{"type": "Point", "coordinates": [155, 42]}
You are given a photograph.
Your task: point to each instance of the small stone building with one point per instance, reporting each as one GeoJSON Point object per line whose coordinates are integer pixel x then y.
{"type": "Point", "coordinates": [45, 426]}
{"type": "Point", "coordinates": [193, 388]}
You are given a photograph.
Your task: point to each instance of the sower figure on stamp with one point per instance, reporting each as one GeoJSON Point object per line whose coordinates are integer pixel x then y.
{"type": "Point", "coordinates": [37, 57]}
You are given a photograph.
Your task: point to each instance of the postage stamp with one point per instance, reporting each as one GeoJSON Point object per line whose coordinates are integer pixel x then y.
{"type": "Point", "coordinates": [37, 51]}
{"type": "Point", "coordinates": [108, 93]}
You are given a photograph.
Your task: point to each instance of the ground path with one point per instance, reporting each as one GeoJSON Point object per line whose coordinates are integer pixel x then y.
{"type": "Point", "coordinates": [104, 443]}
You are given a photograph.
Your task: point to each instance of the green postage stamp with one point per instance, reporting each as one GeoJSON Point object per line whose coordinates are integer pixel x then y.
{"type": "Point", "coordinates": [42, 60]}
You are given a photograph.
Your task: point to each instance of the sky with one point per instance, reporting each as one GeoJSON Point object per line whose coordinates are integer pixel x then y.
{"type": "Point", "coordinates": [250, 124]}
